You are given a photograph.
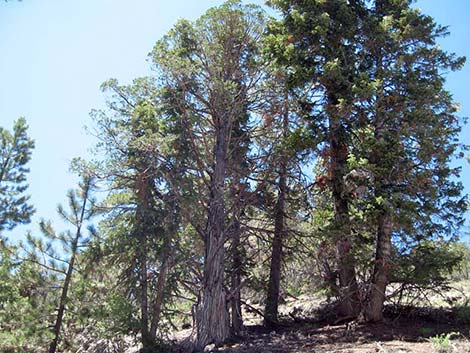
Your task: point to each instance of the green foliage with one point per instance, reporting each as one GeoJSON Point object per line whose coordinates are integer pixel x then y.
{"type": "Point", "coordinates": [442, 343]}
{"type": "Point", "coordinates": [462, 312]}
{"type": "Point", "coordinates": [374, 72]}
{"type": "Point", "coordinates": [25, 303]}
{"type": "Point", "coordinates": [462, 272]}
{"type": "Point", "coordinates": [427, 264]}
{"type": "Point", "coordinates": [355, 88]}
{"type": "Point", "coordinates": [15, 153]}
{"type": "Point", "coordinates": [426, 331]}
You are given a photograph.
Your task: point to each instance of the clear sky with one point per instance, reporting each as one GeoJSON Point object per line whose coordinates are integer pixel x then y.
{"type": "Point", "coordinates": [54, 54]}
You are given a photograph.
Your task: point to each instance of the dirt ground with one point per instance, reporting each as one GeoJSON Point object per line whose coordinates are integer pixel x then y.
{"type": "Point", "coordinates": [308, 327]}
{"type": "Point", "coordinates": [404, 330]}
{"type": "Point", "coordinates": [398, 337]}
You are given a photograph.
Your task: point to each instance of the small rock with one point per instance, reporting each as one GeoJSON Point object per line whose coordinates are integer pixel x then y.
{"type": "Point", "coordinates": [209, 348]}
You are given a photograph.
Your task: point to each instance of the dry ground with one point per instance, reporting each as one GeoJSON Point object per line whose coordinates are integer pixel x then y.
{"type": "Point", "coordinates": [404, 330]}
{"type": "Point", "coordinates": [398, 337]}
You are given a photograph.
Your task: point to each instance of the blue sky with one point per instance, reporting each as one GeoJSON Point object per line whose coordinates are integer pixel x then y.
{"type": "Point", "coordinates": [54, 55]}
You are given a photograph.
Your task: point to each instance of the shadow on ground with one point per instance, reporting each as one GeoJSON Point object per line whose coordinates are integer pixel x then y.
{"type": "Point", "coordinates": [405, 329]}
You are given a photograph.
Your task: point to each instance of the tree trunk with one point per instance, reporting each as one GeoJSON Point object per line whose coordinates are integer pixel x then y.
{"type": "Point", "coordinates": [165, 265]}
{"type": "Point", "coordinates": [348, 288]}
{"type": "Point", "coordinates": [272, 296]}
{"type": "Point", "coordinates": [379, 283]}
{"type": "Point", "coordinates": [68, 275]}
{"type": "Point", "coordinates": [144, 314]}
{"type": "Point", "coordinates": [143, 211]}
{"type": "Point", "coordinates": [212, 319]}
{"type": "Point", "coordinates": [236, 305]}
{"type": "Point", "coordinates": [63, 299]}
{"type": "Point", "coordinates": [160, 292]}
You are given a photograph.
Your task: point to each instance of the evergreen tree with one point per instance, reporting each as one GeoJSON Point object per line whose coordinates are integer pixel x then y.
{"type": "Point", "coordinates": [26, 302]}
{"type": "Point", "coordinates": [374, 76]}
{"type": "Point", "coordinates": [54, 269]}
{"type": "Point", "coordinates": [82, 209]}
{"type": "Point", "coordinates": [213, 63]}
{"type": "Point", "coordinates": [317, 42]}
{"type": "Point", "coordinates": [413, 135]}
{"type": "Point", "coordinates": [142, 168]}
{"type": "Point", "coordinates": [15, 153]}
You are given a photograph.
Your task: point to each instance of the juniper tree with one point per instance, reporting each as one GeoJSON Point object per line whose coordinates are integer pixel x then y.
{"type": "Point", "coordinates": [212, 62]}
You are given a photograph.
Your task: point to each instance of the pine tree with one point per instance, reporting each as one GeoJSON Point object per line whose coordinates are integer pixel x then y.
{"type": "Point", "coordinates": [142, 167]}
{"type": "Point", "coordinates": [15, 153]}
{"type": "Point", "coordinates": [82, 210]}
{"type": "Point", "coordinates": [26, 301]}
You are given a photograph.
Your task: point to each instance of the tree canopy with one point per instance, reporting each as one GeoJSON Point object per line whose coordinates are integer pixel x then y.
{"type": "Point", "coordinates": [15, 152]}
{"type": "Point", "coordinates": [263, 158]}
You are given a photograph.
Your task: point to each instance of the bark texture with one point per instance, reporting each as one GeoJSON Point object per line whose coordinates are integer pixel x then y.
{"type": "Point", "coordinates": [348, 288]}
{"type": "Point", "coordinates": [272, 297]}
{"type": "Point", "coordinates": [379, 283]}
{"type": "Point", "coordinates": [236, 278]}
{"type": "Point", "coordinates": [280, 233]}
{"type": "Point", "coordinates": [212, 318]}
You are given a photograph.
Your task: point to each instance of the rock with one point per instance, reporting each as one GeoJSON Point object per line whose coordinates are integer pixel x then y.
{"type": "Point", "coordinates": [209, 348]}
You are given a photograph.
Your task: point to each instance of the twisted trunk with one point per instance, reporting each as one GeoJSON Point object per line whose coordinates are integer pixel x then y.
{"type": "Point", "coordinates": [236, 306]}
{"type": "Point", "coordinates": [212, 319]}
